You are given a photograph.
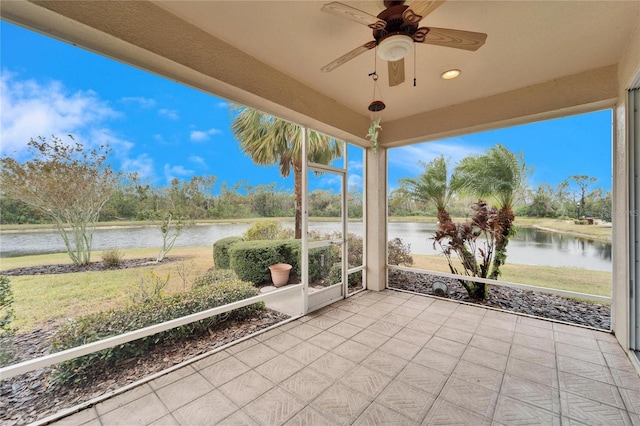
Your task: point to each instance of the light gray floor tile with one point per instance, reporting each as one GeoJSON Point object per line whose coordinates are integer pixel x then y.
{"type": "Point", "coordinates": [223, 371]}
{"type": "Point", "coordinates": [532, 393]}
{"type": "Point", "coordinates": [445, 413]}
{"type": "Point", "coordinates": [510, 411]}
{"type": "Point", "coordinates": [279, 368]}
{"type": "Point", "coordinates": [309, 417]}
{"type": "Point", "coordinates": [183, 391]}
{"type": "Point", "coordinates": [274, 407]}
{"type": "Point", "coordinates": [472, 397]}
{"type": "Point", "coordinates": [245, 388]}
{"type": "Point", "coordinates": [141, 411]}
{"type": "Point", "coordinates": [341, 404]}
{"type": "Point", "coordinates": [385, 362]}
{"type": "Point", "coordinates": [400, 348]}
{"type": "Point", "coordinates": [407, 400]}
{"type": "Point", "coordinates": [592, 412]}
{"type": "Point", "coordinates": [256, 355]}
{"type": "Point", "coordinates": [379, 415]}
{"type": "Point", "coordinates": [478, 375]}
{"type": "Point", "coordinates": [423, 378]}
{"type": "Point", "coordinates": [485, 358]}
{"type": "Point", "coordinates": [446, 346]}
{"type": "Point", "coordinates": [306, 384]}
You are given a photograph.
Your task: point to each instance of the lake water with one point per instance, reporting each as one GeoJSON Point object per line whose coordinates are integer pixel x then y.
{"type": "Point", "coordinates": [529, 246]}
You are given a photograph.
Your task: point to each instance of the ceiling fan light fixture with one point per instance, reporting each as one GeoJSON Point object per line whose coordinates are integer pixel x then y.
{"type": "Point", "coordinates": [450, 74]}
{"type": "Point", "coordinates": [395, 47]}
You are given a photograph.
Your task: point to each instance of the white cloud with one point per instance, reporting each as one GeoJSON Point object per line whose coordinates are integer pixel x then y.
{"type": "Point", "coordinates": [355, 165]}
{"type": "Point", "coordinates": [169, 113]}
{"type": "Point", "coordinates": [142, 102]}
{"type": "Point", "coordinates": [173, 172]}
{"type": "Point", "coordinates": [354, 181]}
{"type": "Point", "coordinates": [203, 135]}
{"type": "Point", "coordinates": [329, 181]}
{"type": "Point", "coordinates": [198, 160]}
{"type": "Point", "coordinates": [31, 109]}
{"type": "Point", "coordinates": [409, 157]}
{"type": "Point", "coordinates": [142, 165]}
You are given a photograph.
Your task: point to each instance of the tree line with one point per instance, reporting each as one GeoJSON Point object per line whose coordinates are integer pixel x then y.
{"type": "Point", "coordinates": [194, 200]}
{"type": "Point", "coordinates": [575, 197]}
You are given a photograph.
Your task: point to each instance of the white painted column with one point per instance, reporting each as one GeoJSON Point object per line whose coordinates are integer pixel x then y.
{"type": "Point", "coordinates": [376, 219]}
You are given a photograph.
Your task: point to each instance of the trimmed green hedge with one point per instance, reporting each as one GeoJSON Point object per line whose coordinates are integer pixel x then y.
{"type": "Point", "coordinates": [93, 327]}
{"type": "Point", "coordinates": [221, 257]}
{"type": "Point", "coordinates": [251, 259]}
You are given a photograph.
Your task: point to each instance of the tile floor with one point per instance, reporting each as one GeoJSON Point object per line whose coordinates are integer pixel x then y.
{"type": "Point", "coordinates": [398, 359]}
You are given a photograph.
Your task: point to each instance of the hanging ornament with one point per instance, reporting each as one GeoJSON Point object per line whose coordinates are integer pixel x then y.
{"type": "Point", "coordinates": [375, 109]}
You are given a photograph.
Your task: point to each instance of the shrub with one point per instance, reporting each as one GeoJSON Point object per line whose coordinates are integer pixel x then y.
{"type": "Point", "coordinates": [6, 309]}
{"type": "Point", "coordinates": [318, 267]}
{"type": "Point", "coordinates": [149, 287]}
{"type": "Point", "coordinates": [93, 327]}
{"type": "Point", "coordinates": [214, 277]}
{"type": "Point", "coordinates": [6, 317]}
{"type": "Point", "coordinates": [221, 256]}
{"type": "Point", "coordinates": [251, 259]}
{"type": "Point", "coordinates": [399, 253]}
{"type": "Point", "coordinates": [112, 258]}
{"type": "Point", "coordinates": [263, 230]}
{"type": "Point", "coordinates": [335, 276]}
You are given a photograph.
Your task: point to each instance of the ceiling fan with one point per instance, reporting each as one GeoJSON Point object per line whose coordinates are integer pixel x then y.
{"type": "Point", "coordinates": [395, 30]}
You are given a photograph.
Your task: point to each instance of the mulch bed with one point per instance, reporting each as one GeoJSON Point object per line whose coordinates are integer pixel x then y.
{"type": "Point", "coordinates": [67, 268]}
{"type": "Point", "coordinates": [510, 299]}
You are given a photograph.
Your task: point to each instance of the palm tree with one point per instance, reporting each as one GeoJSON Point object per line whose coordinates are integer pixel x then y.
{"type": "Point", "coordinates": [269, 141]}
{"type": "Point", "coordinates": [501, 174]}
{"type": "Point", "coordinates": [433, 187]}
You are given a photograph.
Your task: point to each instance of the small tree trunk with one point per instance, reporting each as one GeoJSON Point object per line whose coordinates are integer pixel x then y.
{"type": "Point", "coordinates": [505, 218]}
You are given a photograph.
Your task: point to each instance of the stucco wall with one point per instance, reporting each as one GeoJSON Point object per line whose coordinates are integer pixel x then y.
{"type": "Point", "coordinates": [628, 73]}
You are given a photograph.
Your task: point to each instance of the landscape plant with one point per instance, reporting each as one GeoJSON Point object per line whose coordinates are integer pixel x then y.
{"type": "Point", "coordinates": [434, 186]}
{"type": "Point", "coordinates": [170, 230]}
{"type": "Point", "coordinates": [266, 230]}
{"type": "Point", "coordinates": [68, 183]}
{"type": "Point", "coordinates": [221, 254]}
{"type": "Point", "coordinates": [472, 244]}
{"type": "Point", "coordinates": [6, 317]}
{"type": "Point", "coordinates": [112, 258]}
{"type": "Point", "coordinates": [93, 327]}
{"type": "Point", "coordinates": [271, 141]}
{"type": "Point", "coordinates": [501, 175]}
{"type": "Point", "coordinates": [148, 288]}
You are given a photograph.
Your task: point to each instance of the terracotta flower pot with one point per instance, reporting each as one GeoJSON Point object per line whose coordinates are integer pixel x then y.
{"type": "Point", "coordinates": [280, 273]}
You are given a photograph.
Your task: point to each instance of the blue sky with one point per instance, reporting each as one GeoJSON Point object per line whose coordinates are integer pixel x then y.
{"type": "Point", "coordinates": [165, 130]}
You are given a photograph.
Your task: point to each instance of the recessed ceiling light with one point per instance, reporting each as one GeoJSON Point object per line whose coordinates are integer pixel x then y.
{"type": "Point", "coordinates": [450, 74]}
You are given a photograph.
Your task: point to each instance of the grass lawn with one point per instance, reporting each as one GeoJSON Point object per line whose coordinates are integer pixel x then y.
{"type": "Point", "coordinates": [569, 279]}
{"type": "Point", "coordinates": [38, 298]}
{"type": "Point", "coordinates": [42, 297]}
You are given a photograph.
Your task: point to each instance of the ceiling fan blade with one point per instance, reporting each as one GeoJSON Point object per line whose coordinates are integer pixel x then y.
{"type": "Point", "coordinates": [466, 40]}
{"type": "Point", "coordinates": [348, 56]}
{"type": "Point", "coordinates": [339, 9]}
{"type": "Point", "coordinates": [419, 9]}
{"type": "Point", "coordinates": [396, 72]}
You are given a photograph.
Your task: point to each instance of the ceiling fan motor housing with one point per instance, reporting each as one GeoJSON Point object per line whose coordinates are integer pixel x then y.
{"type": "Point", "coordinates": [396, 23]}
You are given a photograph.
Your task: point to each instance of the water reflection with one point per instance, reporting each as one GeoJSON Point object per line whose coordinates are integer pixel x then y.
{"type": "Point", "coordinates": [529, 246]}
